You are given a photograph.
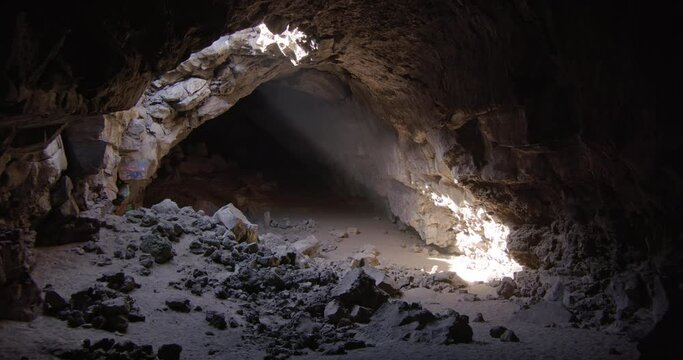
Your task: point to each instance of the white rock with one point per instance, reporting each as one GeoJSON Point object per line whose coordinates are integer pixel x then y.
{"type": "Point", "coordinates": [233, 219]}
{"type": "Point", "coordinates": [166, 206]}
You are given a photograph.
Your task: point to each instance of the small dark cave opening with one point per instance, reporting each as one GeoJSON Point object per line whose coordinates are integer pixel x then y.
{"type": "Point", "coordinates": [279, 146]}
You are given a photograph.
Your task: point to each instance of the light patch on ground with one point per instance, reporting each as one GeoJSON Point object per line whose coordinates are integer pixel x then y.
{"type": "Point", "coordinates": [482, 241]}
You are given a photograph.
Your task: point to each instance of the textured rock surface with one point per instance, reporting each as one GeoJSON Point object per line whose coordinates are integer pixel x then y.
{"type": "Point", "coordinates": [547, 116]}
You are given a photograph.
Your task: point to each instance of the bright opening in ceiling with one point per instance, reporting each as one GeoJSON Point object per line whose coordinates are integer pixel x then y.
{"type": "Point", "coordinates": [289, 42]}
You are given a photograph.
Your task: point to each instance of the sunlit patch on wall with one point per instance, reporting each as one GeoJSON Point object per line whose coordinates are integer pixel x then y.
{"type": "Point", "coordinates": [481, 240]}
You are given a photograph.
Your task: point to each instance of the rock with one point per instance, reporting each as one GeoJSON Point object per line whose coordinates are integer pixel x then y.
{"type": "Point", "coordinates": [308, 246]}
{"type": "Point", "coordinates": [459, 331]}
{"type": "Point", "coordinates": [160, 248]}
{"type": "Point", "coordinates": [352, 231]}
{"type": "Point", "coordinates": [166, 206]}
{"type": "Point", "coordinates": [233, 219]}
{"type": "Point", "coordinates": [339, 234]}
{"type": "Point", "coordinates": [509, 336]}
{"type": "Point", "coordinates": [179, 304]}
{"type": "Point", "coordinates": [497, 331]}
{"type": "Point", "coordinates": [507, 288]}
{"type": "Point", "coordinates": [361, 314]}
{"type": "Point", "coordinates": [451, 278]}
{"type": "Point", "coordinates": [334, 312]}
{"type": "Point", "coordinates": [119, 281]}
{"type": "Point", "coordinates": [216, 320]}
{"type": "Point", "coordinates": [478, 318]}
{"type": "Point", "coordinates": [383, 282]}
{"type": "Point", "coordinates": [169, 352]}
{"type": "Point", "coordinates": [53, 302]}
{"type": "Point", "coordinates": [358, 288]}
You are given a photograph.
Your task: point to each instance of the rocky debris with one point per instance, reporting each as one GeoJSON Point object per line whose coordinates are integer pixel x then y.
{"type": "Point", "coordinates": [216, 320]}
{"type": "Point", "coordinates": [497, 331]}
{"type": "Point", "coordinates": [509, 336]}
{"type": "Point", "coordinates": [119, 281]}
{"type": "Point", "coordinates": [308, 246]}
{"type": "Point", "coordinates": [234, 220]}
{"type": "Point", "coordinates": [169, 352]}
{"type": "Point", "coordinates": [179, 304]}
{"type": "Point", "coordinates": [97, 306]}
{"type": "Point", "coordinates": [107, 349]}
{"type": "Point", "coordinates": [159, 248]}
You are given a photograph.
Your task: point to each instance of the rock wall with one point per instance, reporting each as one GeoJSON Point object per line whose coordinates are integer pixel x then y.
{"type": "Point", "coordinates": [548, 117]}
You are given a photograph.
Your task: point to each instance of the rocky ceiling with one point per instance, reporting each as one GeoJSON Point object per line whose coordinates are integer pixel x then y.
{"type": "Point", "coordinates": [549, 116]}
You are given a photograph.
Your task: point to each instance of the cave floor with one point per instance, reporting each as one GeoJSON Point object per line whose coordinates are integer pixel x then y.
{"type": "Point", "coordinates": [68, 269]}
{"type": "Point", "coordinates": [544, 329]}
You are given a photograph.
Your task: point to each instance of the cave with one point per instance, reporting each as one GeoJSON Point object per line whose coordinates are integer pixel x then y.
{"type": "Point", "coordinates": [300, 179]}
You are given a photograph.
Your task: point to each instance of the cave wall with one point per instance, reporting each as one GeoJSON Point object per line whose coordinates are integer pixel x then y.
{"type": "Point", "coordinates": [548, 115]}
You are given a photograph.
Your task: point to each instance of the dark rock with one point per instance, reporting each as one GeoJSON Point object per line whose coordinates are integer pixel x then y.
{"type": "Point", "coordinates": [119, 281]}
{"type": "Point", "coordinates": [179, 304]}
{"type": "Point", "coordinates": [169, 352]}
{"type": "Point", "coordinates": [357, 288]}
{"type": "Point", "coordinates": [216, 320]}
{"type": "Point", "coordinates": [497, 331]}
{"type": "Point", "coordinates": [478, 318]}
{"type": "Point", "coordinates": [334, 312]}
{"type": "Point", "coordinates": [509, 336]}
{"type": "Point", "coordinates": [361, 314]}
{"type": "Point", "coordinates": [53, 302]}
{"type": "Point", "coordinates": [160, 248]}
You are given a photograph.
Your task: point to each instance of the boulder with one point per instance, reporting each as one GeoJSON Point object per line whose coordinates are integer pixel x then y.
{"type": "Point", "coordinates": [509, 336]}
{"type": "Point", "coordinates": [159, 248]}
{"type": "Point", "coordinates": [169, 352]}
{"type": "Point", "coordinates": [358, 288]}
{"type": "Point", "coordinates": [179, 304]}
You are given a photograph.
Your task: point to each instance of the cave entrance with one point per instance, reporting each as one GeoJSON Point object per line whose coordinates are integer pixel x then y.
{"type": "Point", "coordinates": [296, 156]}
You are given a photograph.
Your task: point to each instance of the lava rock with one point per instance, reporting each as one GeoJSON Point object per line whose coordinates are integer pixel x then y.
{"type": "Point", "coordinates": [216, 320]}
{"type": "Point", "coordinates": [360, 314]}
{"type": "Point", "coordinates": [53, 302]}
{"type": "Point", "coordinates": [358, 288]}
{"type": "Point", "coordinates": [119, 281]}
{"type": "Point", "coordinates": [169, 352]}
{"type": "Point", "coordinates": [160, 248]}
{"type": "Point", "coordinates": [166, 206]}
{"type": "Point", "coordinates": [497, 331]}
{"type": "Point", "coordinates": [179, 304]}
{"type": "Point", "coordinates": [334, 311]}
{"type": "Point", "coordinates": [478, 318]}
{"type": "Point", "coordinates": [509, 336]}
